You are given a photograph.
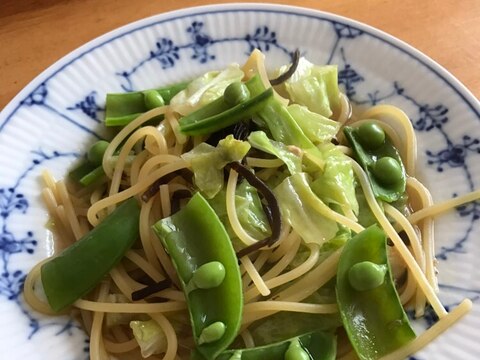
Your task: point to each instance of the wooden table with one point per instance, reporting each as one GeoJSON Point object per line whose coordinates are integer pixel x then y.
{"type": "Point", "coordinates": [34, 34]}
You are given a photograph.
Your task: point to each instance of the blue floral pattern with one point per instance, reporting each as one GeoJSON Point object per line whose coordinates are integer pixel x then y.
{"type": "Point", "coordinates": [202, 47]}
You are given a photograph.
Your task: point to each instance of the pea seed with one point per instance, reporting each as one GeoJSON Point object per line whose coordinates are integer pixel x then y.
{"type": "Point", "coordinates": [366, 275]}
{"type": "Point", "coordinates": [211, 333]}
{"type": "Point", "coordinates": [209, 275]}
{"type": "Point", "coordinates": [237, 355]}
{"type": "Point", "coordinates": [371, 135]}
{"type": "Point", "coordinates": [387, 170]}
{"type": "Point", "coordinates": [152, 99]}
{"type": "Point", "coordinates": [236, 93]}
{"type": "Point", "coordinates": [96, 151]}
{"type": "Point", "coordinates": [295, 351]}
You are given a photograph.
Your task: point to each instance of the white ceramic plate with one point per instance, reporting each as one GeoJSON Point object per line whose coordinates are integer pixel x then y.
{"type": "Point", "coordinates": [50, 122]}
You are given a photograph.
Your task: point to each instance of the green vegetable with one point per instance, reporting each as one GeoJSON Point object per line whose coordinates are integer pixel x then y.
{"type": "Point", "coordinates": [96, 151]}
{"type": "Point", "coordinates": [373, 316]}
{"type": "Point", "coordinates": [212, 333]}
{"type": "Point", "coordinates": [122, 108]}
{"type": "Point", "coordinates": [295, 351]}
{"type": "Point", "coordinates": [84, 168]}
{"type": "Point", "coordinates": [207, 163]}
{"type": "Point", "coordinates": [317, 128]}
{"type": "Point", "coordinates": [153, 99]}
{"type": "Point", "coordinates": [196, 124]}
{"type": "Point", "coordinates": [249, 211]}
{"type": "Point", "coordinates": [284, 325]}
{"type": "Point", "coordinates": [195, 236]}
{"type": "Point", "coordinates": [387, 170]}
{"type": "Point", "coordinates": [335, 184]}
{"type": "Point", "coordinates": [149, 336]}
{"type": "Point", "coordinates": [260, 141]}
{"type": "Point", "coordinates": [366, 275]}
{"type": "Point", "coordinates": [316, 345]}
{"type": "Point", "coordinates": [79, 268]}
{"type": "Point", "coordinates": [299, 206]}
{"type": "Point", "coordinates": [236, 93]}
{"type": "Point", "coordinates": [205, 89]}
{"type": "Point", "coordinates": [93, 176]}
{"type": "Point", "coordinates": [208, 275]}
{"type": "Point", "coordinates": [314, 86]}
{"type": "Point", "coordinates": [371, 135]}
{"type": "Point", "coordinates": [387, 187]}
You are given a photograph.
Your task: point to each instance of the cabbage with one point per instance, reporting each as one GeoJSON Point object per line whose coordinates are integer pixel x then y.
{"type": "Point", "coordinates": [150, 337]}
{"type": "Point", "coordinates": [260, 141]}
{"type": "Point", "coordinates": [316, 127]}
{"type": "Point", "coordinates": [336, 184]}
{"type": "Point", "coordinates": [207, 163]}
{"type": "Point", "coordinates": [299, 207]}
{"type": "Point", "coordinates": [205, 89]}
{"type": "Point", "coordinates": [249, 211]}
{"type": "Point", "coordinates": [314, 86]}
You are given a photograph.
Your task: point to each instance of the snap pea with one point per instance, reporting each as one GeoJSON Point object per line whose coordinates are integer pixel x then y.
{"type": "Point", "coordinates": [236, 93]}
{"type": "Point", "coordinates": [152, 99]}
{"type": "Point", "coordinates": [310, 346]}
{"type": "Point", "coordinates": [387, 170]}
{"type": "Point", "coordinates": [366, 275]}
{"type": "Point", "coordinates": [372, 315]}
{"type": "Point", "coordinates": [371, 135]}
{"type": "Point", "coordinates": [79, 268]}
{"type": "Point", "coordinates": [380, 160]}
{"type": "Point", "coordinates": [196, 240]}
{"type": "Point", "coordinates": [219, 114]}
{"type": "Point", "coordinates": [93, 176]}
{"type": "Point", "coordinates": [122, 108]}
{"type": "Point", "coordinates": [209, 275]}
{"type": "Point", "coordinates": [96, 151]}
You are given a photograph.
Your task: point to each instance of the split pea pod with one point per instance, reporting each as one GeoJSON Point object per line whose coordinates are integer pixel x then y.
{"type": "Point", "coordinates": [207, 266]}
{"type": "Point", "coordinates": [380, 159]}
{"type": "Point", "coordinates": [310, 346]}
{"type": "Point", "coordinates": [369, 305]}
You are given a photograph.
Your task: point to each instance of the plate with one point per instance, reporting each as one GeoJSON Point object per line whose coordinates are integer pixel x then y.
{"type": "Point", "coordinates": [49, 123]}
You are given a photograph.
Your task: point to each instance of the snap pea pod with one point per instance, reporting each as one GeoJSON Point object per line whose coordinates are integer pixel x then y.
{"type": "Point", "coordinates": [220, 113]}
{"type": "Point", "coordinates": [369, 305]}
{"type": "Point", "coordinates": [380, 160]}
{"type": "Point", "coordinates": [90, 170]}
{"type": "Point", "coordinates": [205, 260]}
{"type": "Point", "coordinates": [122, 108]}
{"type": "Point", "coordinates": [79, 268]}
{"type": "Point", "coordinates": [311, 346]}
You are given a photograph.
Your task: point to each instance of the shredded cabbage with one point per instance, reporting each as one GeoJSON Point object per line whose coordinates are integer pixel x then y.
{"type": "Point", "coordinates": [203, 90]}
{"type": "Point", "coordinates": [208, 162]}
{"type": "Point", "coordinates": [150, 337]}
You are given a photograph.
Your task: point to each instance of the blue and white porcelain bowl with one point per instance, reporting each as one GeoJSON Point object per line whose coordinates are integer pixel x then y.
{"type": "Point", "coordinates": [50, 122]}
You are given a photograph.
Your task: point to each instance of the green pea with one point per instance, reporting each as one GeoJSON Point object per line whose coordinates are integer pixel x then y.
{"type": "Point", "coordinates": [295, 351]}
{"type": "Point", "coordinates": [209, 275]}
{"type": "Point", "coordinates": [96, 151]}
{"type": "Point", "coordinates": [152, 99]}
{"type": "Point", "coordinates": [236, 93]}
{"type": "Point", "coordinates": [387, 170]}
{"type": "Point", "coordinates": [237, 355]}
{"type": "Point", "coordinates": [371, 135]}
{"type": "Point", "coordinates": [366, 275]}
{"type": "Point", "coordinates": [211, 333]}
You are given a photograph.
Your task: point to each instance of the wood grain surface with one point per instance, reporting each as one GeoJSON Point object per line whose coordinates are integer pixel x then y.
{"type": "Point", "coordinates": [36, 33]}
